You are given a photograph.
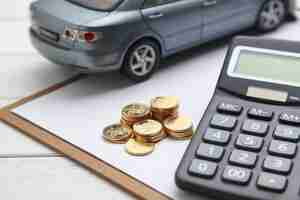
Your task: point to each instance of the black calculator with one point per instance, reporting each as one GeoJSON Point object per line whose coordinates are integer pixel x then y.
{"type": "Point", "coordinates": [247, 143]}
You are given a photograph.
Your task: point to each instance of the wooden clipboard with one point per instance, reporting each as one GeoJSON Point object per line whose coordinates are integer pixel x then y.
{"type": "Point", "coordinates": [97, 166]}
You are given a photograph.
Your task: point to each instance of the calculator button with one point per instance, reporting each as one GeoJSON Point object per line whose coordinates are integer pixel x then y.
{"type": "Point", "coordinates": [282, 148]}
{"type": "Point", "coordinates": [211, 152]}
{"type": "Point", "coordinates": [255, 127]}
{"type": "Point", "coordinates": [277, 165]}
{"type": "Point", "coordinates": [237, 175]}
{"type": "Point", "coordinates": [203, 168]}
{"type": "Point", "coordinates": [216, 136]}
{"type": "Point", "coordinates": [272, 182]}
{"type": "Point", "coordinates": [260, 114]}
{"type": "Point", "coordinates": [230, 108]}
{"type": "Point", "coordinates": [243, 158]}
{"type": "Point", "coordinates": [223, 121]}
{"type": "Point", "coordinates": [249, 142]}
{"type": "Point", "coordinates": [290, 118]}
{"type": "Point", "coordinates": [287, 133]}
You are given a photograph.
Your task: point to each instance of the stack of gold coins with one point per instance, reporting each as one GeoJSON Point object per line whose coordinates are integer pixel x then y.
{"type": "Point", "coordinates": [117, 134]}
{"type": "Point", "coordinates": [148, 131]}
{"type": "Point", "coordinates": [164, 107]}
{"type": "Point", "coordinates": [179, 128]}
{"type": "Point", "coordinates": [134, 113]}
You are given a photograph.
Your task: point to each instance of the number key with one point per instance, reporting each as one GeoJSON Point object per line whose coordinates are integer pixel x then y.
{"type": "Point", "coordinates": [287, 133]}
{"type": "Point", "coordinates": [203, 168]}
{"type": "Point", "coordinates": [277, 165]}
{"type": "Point", "coordinates": [243, 158]}
{"type": "Point", "coordinates": [216, 136]}
{"type": "Point", "coordinates": [249, 142]}
{"type": "Point", "coordinates": [237, 175]}
{"type": "Point", "coordinates": [282, 148]}
{"type": "Point", "coordinates": [211, 152]}
{"type": "Point", "coordinates": [223, 121]}
{"type": "Point", "coordinates": [255, 127]}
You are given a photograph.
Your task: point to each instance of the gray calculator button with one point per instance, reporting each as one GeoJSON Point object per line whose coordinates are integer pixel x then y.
{"type": "Point", "coordinates": [249, 142]}
{"type": "Point", "coordinates": [272, 182]}
{"type": "Point", "coordinates": [211, 152]}
{"type": "Point", "coordinates": [229, 108]}
{"type": "Point", "coordinates": [237, 175]}
{"type": "Point", "coordinates": [281, 148]}
{"type": "Point", "coordinates": [203, 168]}
{"type": "Point", "coordinates": [290, 118]}
{"type": "Point", "coordinates": [216, 136]}
{"type": "Point", "coordinates": [258, 113]}
{"type": "Point", "coordinates": [243, 158]}
{"type": "Point", "coordinates": [223, 121]}
{"type": "Point", "coordinates": [255, 127]}
{"type": "Point", "coordinates": [277, 165]}
{"type": "Point", "coordinates": [289, 133]}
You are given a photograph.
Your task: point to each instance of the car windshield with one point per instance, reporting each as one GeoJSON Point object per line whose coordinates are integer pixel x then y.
{"type": "Point", "coordinates": [98, 4]}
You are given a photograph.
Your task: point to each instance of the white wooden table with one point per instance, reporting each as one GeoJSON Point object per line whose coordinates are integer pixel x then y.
{"type": "Point", "coordinates": [29, 170]}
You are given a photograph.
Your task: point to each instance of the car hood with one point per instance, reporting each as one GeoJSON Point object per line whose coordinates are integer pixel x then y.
{"type": "Point", "coordinates": [66, 11]}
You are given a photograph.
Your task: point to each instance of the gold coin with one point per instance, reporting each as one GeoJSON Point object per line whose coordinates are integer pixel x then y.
{"type": "Point", "coordinates": [178, 124]}
{"type": "Point", "coordinates": [135, 110]}
{"type": "Point", "coordinates": [117, 133]}
{"type": "Point", "coordinates": [138, 149]}
{"type": "Point", "coordinates": [147, 128]}
{"type": "Point", "coordinates": [166, 102]}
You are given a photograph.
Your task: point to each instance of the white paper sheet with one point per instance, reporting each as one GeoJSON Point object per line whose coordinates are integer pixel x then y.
{"type": "Point", "coordinates": [79, 112]}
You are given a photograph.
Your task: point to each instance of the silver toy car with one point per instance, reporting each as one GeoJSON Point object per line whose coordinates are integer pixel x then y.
{"type": "Point", "coordinates": [132, 35]}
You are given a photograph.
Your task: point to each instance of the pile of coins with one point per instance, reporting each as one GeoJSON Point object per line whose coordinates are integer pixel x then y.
{"type": "Point", "coordinates": [141, 127]}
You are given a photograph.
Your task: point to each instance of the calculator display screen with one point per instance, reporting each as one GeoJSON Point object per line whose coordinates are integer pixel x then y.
{"type": "Point", "coordinates": [266, 65]}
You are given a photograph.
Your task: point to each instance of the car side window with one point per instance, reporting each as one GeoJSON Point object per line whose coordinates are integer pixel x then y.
{"type": "Point", "coordinates": [153, 3]}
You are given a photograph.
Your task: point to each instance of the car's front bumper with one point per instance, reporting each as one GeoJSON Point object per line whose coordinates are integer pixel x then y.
{"type": "Point", "coordinates": [85, 61]}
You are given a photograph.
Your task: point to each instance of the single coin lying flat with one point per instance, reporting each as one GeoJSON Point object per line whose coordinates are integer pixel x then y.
{"type": "Point", "coordinates": [117, 134]}
{"type": "Point", "coordinates": [138, 149]}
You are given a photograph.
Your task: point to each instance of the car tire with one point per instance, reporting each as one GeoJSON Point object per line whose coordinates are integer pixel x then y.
{"type": "Point", "coordinates": [271, 16]}
{"type": "Point", "coordinates": [141, 60]}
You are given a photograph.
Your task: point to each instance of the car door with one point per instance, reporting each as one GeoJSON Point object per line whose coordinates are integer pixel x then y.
{"type": "Point", "coordinates": [178, 22]}
{"type": "Point", "coordinates": [222, 17]}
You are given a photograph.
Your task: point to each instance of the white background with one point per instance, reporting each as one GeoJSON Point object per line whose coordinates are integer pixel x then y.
{"type": "Point", "coordinates": [29, 170]}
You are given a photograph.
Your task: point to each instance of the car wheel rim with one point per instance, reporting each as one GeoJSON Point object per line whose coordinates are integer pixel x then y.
{"type": "Point", "coordinates": [143, 60]}
{"type": "Point", "coordinates": [272, 14]}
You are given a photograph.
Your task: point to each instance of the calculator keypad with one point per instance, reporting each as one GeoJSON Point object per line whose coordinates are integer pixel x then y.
{"type": "Point", "coordinates": [247, 145]}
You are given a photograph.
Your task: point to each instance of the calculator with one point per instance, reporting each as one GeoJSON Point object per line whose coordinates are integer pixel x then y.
{"type": "Point", "coordinates": [246, 145]}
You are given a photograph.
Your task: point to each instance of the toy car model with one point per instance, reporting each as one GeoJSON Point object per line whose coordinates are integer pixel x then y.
{"type": "Point", "coordinates": [132, 35]}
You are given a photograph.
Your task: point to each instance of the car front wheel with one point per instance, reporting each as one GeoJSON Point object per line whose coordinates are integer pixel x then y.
{"type": "Point", "coordinates": [141, 61]}
{"type": "Point", "coordinates": [272, 15]}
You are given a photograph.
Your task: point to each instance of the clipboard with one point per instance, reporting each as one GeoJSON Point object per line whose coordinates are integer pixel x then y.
{"type": "Point", "coordinates": [90, 162]}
